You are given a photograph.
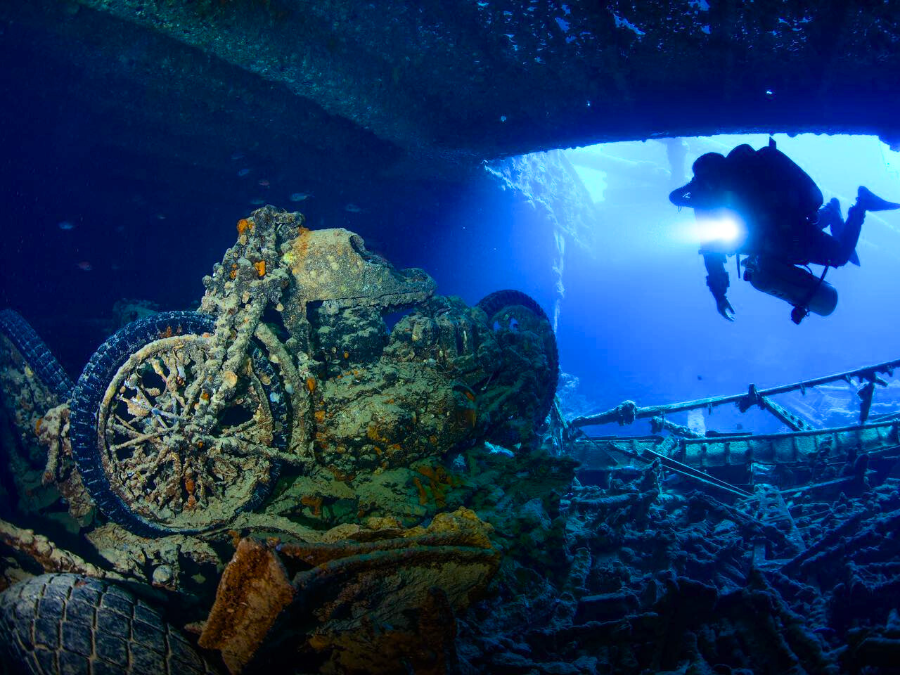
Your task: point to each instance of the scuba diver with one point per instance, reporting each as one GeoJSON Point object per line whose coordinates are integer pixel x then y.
{"type": "Point", "coordinates": [773, 211]}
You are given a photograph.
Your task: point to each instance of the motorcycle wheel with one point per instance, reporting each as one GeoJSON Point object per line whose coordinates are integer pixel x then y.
{"type": "Point", "coordinates": [141, 460]}
{"type": "Point", "coordinates": [509, 308]}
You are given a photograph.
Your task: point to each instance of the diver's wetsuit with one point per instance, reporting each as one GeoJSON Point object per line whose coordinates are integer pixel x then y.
{"type": "Point", "coordinates": [781, 207]}
{"type": "Point", "coordinates": [794, 241]}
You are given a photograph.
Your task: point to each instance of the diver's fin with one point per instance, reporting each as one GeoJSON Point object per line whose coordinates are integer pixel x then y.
{"type": "Point", "coordinates": [854, 258]}
{"type": "Point", "coordinates": [872, 202]}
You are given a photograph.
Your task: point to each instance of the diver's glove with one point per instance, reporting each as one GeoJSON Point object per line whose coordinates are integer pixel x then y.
{"type": "Point", "coordinates": [718, 283]}
{"type": "Point", "coordinates": [725, 308]}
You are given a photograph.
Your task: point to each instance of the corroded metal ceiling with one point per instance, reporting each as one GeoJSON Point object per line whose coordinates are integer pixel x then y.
{"type": "Point", "coordinates": [433, 88]}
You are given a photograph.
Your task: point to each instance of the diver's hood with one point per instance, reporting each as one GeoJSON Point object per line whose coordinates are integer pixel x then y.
{"type": "Point", "coordinates": [696, 196]}
{"type": "Point", "coordinates": [682, 196]}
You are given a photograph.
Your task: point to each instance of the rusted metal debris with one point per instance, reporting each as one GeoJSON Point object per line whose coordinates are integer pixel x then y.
{"type": "Point", "coordinates": [358, 604]}
{"type": "Point", "coordinates": [628, 411]}
{"type": "Point", "coordinates": [47, 555]}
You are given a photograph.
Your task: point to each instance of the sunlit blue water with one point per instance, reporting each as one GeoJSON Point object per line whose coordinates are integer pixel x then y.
{"type": "Point", "coordinates": [640, 322]}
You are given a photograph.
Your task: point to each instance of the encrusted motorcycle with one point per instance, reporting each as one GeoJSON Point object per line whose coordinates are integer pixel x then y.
{"type": "Point", "coordinates": [182, 419]}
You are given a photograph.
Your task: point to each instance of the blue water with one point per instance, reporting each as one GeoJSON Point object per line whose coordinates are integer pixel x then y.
{"type": "Point", "coordinates": [640, 323]}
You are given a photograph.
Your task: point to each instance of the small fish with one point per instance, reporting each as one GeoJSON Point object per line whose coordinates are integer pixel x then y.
{"type": "Point", "coordinates": [299, 196]}
{"type": "Point", "coordinates": [352, 208]}
{"type": "Point", "coordinates": [65, 225]}
{"type": "Point", "coordinates": [160, 216]}
{"type": "Point", "coordinates": [236, 156]}
{"type": "Point", "coordinates": [263, 182]}
{"type": "Point", "coordinates": [259, 201]}
{"type": "Point", "coordinates": [243, 172]}
{"type": "Point", "coordinates": [85, 266]}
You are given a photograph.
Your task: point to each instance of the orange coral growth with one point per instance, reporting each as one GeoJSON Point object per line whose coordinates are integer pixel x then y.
{"type": "Point", "coordinates": [341, 476]}
{"type": "Point", "coordinates": [310, 384]}
{"type": "Point", "coordinates": [244, 225]}
{"type": "Point", "coordinates": [37, 425]}
{"type": "Point", "coordinates": [320, 416]}
{"type": "Point", "coordinates": [191, 503]}
{"type": "Point", "coordinates": [233, 272]}
{"type": "Point", "coordinates": [470, 395]}
{"type": "Point", "coordinates": [189, 485]}
{"type": "Point", "coordinates": [431, 473]}
{"type": "Point", "coordinates": [439, 481]}
{"type": "Point", "coordinates": [205, 395]}
{"type": "Point", "coordinates": [423, 496]}
{"type": "Point", "coordinates": [315, 503]}
{"type": "Point", "coordinates": [346, 355]}
{"type": "Point", "coordinates": [260, 268]}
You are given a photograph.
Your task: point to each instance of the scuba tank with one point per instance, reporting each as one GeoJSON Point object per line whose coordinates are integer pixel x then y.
{"type": "Point", "coordinates": [795, 285]}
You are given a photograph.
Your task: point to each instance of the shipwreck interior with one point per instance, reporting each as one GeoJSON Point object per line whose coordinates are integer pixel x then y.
{"type": "Point", "coordinates": [268, 399]}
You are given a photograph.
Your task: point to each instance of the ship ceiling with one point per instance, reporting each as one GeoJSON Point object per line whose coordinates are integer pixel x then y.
{"type": "Point", "coordinates": [432, 89]}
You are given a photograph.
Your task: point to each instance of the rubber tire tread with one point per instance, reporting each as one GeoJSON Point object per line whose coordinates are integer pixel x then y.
{"type": "Point", "coordinates": [39, 357]}
{"type": "Point", "coordinates": [85, 408]}
{"type": "Point", "coordinates": [70, 623]}
{"type": "Point", "coordinates": [498, 300]}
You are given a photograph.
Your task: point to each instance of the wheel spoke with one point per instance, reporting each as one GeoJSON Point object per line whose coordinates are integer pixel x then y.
{"type": "Point", "coordinates": [237, 429]}
{"type": "Point", "coordinates": [149, 409]}
{"type": "Point", "coordinates": [139, 439]}
{"type": "Point", "coordinates": [123, 427]}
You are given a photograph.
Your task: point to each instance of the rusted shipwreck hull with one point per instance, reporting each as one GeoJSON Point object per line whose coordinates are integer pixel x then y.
{"type": "Point", "coordinates": [816, 458]}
